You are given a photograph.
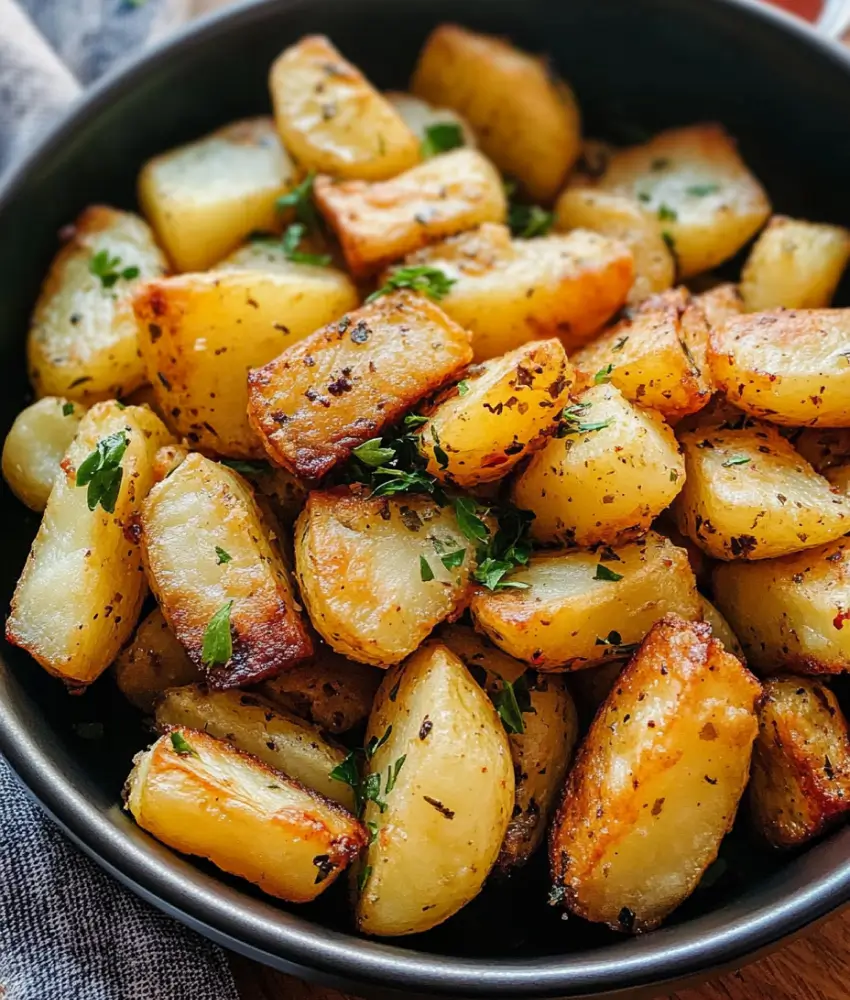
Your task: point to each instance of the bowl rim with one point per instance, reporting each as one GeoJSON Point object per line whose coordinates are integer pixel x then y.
{"type": "Point", "coordinates": [277, 937]}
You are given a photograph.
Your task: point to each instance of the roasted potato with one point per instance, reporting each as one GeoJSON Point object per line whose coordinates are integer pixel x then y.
{"type": "Point", "coordinates": [196, 362]}
{"type": "Point", "coordinates": [379, 222]}
{"type": "Point", "coordinates": [580, 608]}
{"type": "Point", "coordinates": [82, 587]}
{"type": "Point", "coordinates": [720, 303]}
{"type": "Point", "coordinates": [420, 117]}
{"type": "Point", "coordinates": [82, 341]}
{"type": "Point", "coordinates": [202, 796]}
{"type": "Point", "coordinates": [608, 472]}
{"type": "Point", "coordinates": [443, 799]}
{"type": "Point", "coordinates": [35, 446]}
{"type": "Point", "coordinates": [720, 628]}
{"type": "Point", "coordinates": [219, 576]}
{"type": "Point", "coordinates": [749, 495]}
{"type": "Point", "coordinates": [344, 384]}
{"type": "Point", "coordinates": [378, 573]}
{"type": "Point", "coordinates": [800, 782]}
{"type": "Point", "coordinates": [526, 120]}
{"type": "Point", "coordinates": [824, 448]}
{"type": "Point", "coordinates": [794, 264]}
{"type": "Point", "coordinates": [788, 366]}
{"type": "Point", "coordinates": [657, 781]}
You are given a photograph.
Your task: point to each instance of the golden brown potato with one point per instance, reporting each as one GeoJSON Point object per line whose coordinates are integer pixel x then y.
{"type": "Point", "coordinates": [581, 607]}
{"type": "Point", "coordinates": [698, 186]}
{"type": "Point", "coordinates": [720, 303]}
{"type": "Point", "coordinates": [82, 339]}
{"type": "Point", "coordinates": [791, 367]}
{"type": "Point", "coordinates": [199, 335]}
{"type": "Point", "coordinates": [839, 479]}
{"type": "Point", "coordinates": [720, 628]}
{"type": "Point", "coordinates": [794, 264]}
{"type": "Point", "coordinates": [800, 784]}
{"type": "Point", "coordinates": [82, 587]}
{"type": "Point", "coordinates": [167, 459]}
{"type": "Point", "coordinates": [345, 383]}
{"type": "Point", "coordinates": [749, 495]}
{"type": "Point", "coordinates": [420, 116]}
{"type": "Point", "coordinates": [507, 292]}
{"type": "Point", "coordinates": [204, 198]}
{"type": "Point", "coordinates": [202, 796]}
{"type": "Point", "coordinates": [657, 781]}
{"type": "Point", "coordinates": [526, 120]}
{"type": "Point", "coordinates": [331, 119]}
{"type": "Point", "coordinates": [608, 472]}
{"type": "Point", "coordinates": [445, 790]}
{"type": "Point", "coordinates": [378, 223]}
{"type": "Point", "coordinates": [219, 576]}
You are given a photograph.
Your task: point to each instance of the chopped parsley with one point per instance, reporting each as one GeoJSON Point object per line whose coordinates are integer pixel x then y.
{"type": "Point", "coordinates": [451, 560]}
{"type": "Point", "coordinates": [101, 471]}
{"type": "Point", "coordinates": [439, 453]}
{"type": "Point", "coordinates": [463, 387]}
{"type": "Point", "coordinates": [363, 877]}
{"type": "Point", "coordinates": [392, 773]}
{"type": "Point", "coordinates": [181, 745]}
{"type": "Point", "coordinates": [425, 571]}
{"type": "Point", "coordinates": [701, 190]}
{"type": "Point", "coordinates": [511, 701]}
{"type": "Point", "coordinates": [67, 409]}
{"type": "Point", "coordinates": [603, 573]}
{"type": "Point", "coordinates": [528, 221]}
{"type": "Point", "coordinates": [603, 375]}
{"type": "Point", "coordinates": [669, 242]}
{"type": "Point", "coordinates": [735, 460]}
{"type": "Point", "coordinates": [667, 214]}
{"type": "Point", "coordinates": [222, 557]}
{"type": "Point", "coordinates": [571, 423]}
{"type": "Point", "coordinates": [431, 281]}
{"type": "Point", "coordinates": [217, 645]}
{"type": "Point", "coordinates": [292, 240]}
{"type": "Point", "coordinates": [109, 269]}
{"type": "Point", "coordinates": [440, 138]}
{"type": "Point", "coordinates": [373, 453]}
{"type": "Point", "coordinates": [500, 553]}
{"type": "Point", "coordinates": [300, 198]}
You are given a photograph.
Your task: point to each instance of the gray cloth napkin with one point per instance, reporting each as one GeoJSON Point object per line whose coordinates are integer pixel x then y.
{"type": "Point", "coordinates": [67, 930]}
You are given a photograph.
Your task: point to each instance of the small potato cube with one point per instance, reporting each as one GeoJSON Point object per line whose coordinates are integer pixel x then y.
{"type": "Point", "coordinates": [201, 796]}
{"type": "Point", "coordinates": [82, 341]}
{"type": "Point", "coordinates": [200, 334]}
{"type": "Point", "coordinates": [507, 292]}
{"type": "Point", "coordinates": [749, 495]}
{"type": "Point", "coordinates": [610, 470]}
{"type": "Point", "coordinates": [699, 188]}
{"type": "Point", "coordinates": [721, 303]}
{"type": "Point", "coordinates": [490, 421]}
{"type": "Point", "coordinates": [218, 575]}
{"type": "Point", "coordinates": [526, 120]}
{"type": "Point", "coordinates": [345, 383]}
{"type": "Point", "coordinates": [331, 119]}
{"type": "Point", "coordinates": [800, 784]}
{"type": "Point", "coordinates": [794, 264]}
{"type": "Point", "coordinates": [378, 223]}
{"type": "Point", "coordinates": [791, 367]}
{"type": "Point", "coordinates": [580, 608]}
{"type": "Point", "coordinates": [82, 587]}
{"type": "Point", "coordinates": [657, 781]}
{"type": "Point", "coordinates": [420, 116]}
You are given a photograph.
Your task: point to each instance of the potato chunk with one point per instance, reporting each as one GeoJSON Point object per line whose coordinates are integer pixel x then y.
{"type": "Point", "coordinates": [657, 781]}
{"type": "Point", "coordinates": [331, 119]}
{"type": "Point", "coordinates": [507, 292]}
{"type": "Point", "coordinates": [82, 587]}
{"type": "Point", "coordinates": [201, 796]}
{"type": "Point", "coordinates": [82, 341]}
{"type": "Point", "coordinates": [446, 780]}
{"type": "Point", "coordinates": [825, 448]}
{"type": "Point", "coordinates": [721, 303]}
{"type": "Point", "coordinates": [209, 555]}
{"type": "Point", "coordinates": [749, 495]}
{"type": "Point", "coordinates": [377, 574]}
{"type": "Point", "coordinates": [526, 120]}
{"type": "Point", "coordinates": [420, 116]}
{"type": "Point", "coordinates": [616, 467]}
{"type": "Point", "coordinates": [791, 367]}
{"type": "Point", "coordinates": [720, 628]}
{"type": "Point", "coordinates": [698, 186]}
{"type": "Point", "coordinates": [794, 264]}
{"type": "Point", "coordinates": [152, 662]}
{"type": "Point", "coordinates": [200, 334]}
{"type": "Point", "coordinates": [581, 607]}
{"type": "Point", "coordinates": [800, 784]}
{"type": "Point", "coordinates": [345, 383]}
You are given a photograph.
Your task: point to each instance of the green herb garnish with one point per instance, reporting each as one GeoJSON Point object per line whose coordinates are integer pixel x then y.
{"type": "Point", "coordinates": [301, 199]}
{"type": "Point", "coordinates": [109, 269]}
{"type": "Point", "coordinates": [603, 375]}
{"type": "Point", "coordinates": [247, 468]}
{"type": "Point", "coordinates": [363, 877]}
{"type": "Point", "coordinates": [511, 700]}
{"type": "Point", "coordinates": [292, 240]}
{"type": "Point", "coordinates": [181, 746]}
{"type": "Point", "coordinates": [425, 571]}
{"type": "Point", "coordinates": [431, 281]}
{"type": "Point", "coordinates": [217, 645]}
{"type": "Point", "coordinates": [667, 214]}
{"type": "Point", "coordinates": [701, 190]}
{"type": "Point", "coordinates": [528, 221]}
{"type": "Point", "coordinates": [392, 773]}
{"type": "Point", "coordinates": [373, 454]}
{"type": "Point", "coordinates": [67, 409]}
{"type": "Point", "coordinates": [440, 138]}
{"type": "Point", "coordinates": [463, 387]}
{"type": "Point", "coordinates": [736, 460]}
{"type": "Point", "coordinates": [603, 573]}
{"type": "Point", "coordinates": [451, 560]}
{"type": "Point", "coordinates": [101, 471]}
{"type": "Point", "coordinates": [222, 557]}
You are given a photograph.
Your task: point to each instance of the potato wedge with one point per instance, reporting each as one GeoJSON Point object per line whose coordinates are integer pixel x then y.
{"type": "Point", "coordinates": [342, 385]}
{"type": "Point", "coordinates": [657, 781]}
{"type": "Point", "coordinates": [608, 472]}
{"type": "Point", "coordinates": [202, 796]}
{"type": "Point", "coordinates": [526, 120]}
{"type": "Point", "coordinates": [420, 116]}
{"type": "Point", "coordinates": [581, 607]}
{"type": "Point", "coordinates": [355, 556]}
{"type": "Point", "coordinates": [790, 367]}
{"type": "Point", "coordinates": [199, 366]}
{"type": "Point", "coordinates": [800, 784]}
{"type": "Point", "coordinates": [720, 628]}
{"type": "Point", "coordinates": [447, 781]}
{"type": "Point", "coordinates": [82, 341]}
{"type": "Point", "coordinates": [721, 303]}
{"type": "Point", "coordinates": [749, 495]}
{"type": "Point", "coordinates": [219, 577]}
{"type": "Point", "coordinates": [794, 264]}
{"type": "Point", "coordinates": [82, 587]}
{"type": "Point", "coordinates": [699, 188]}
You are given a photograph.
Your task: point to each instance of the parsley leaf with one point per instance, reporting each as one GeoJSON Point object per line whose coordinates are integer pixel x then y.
{"type": "Point", "coordinates": [101, 471]}
{"type": "Point", "coordinates": [363, 877]}
{"type": "Point", "coordinates": [217, 645]}
{"type": "Point", "coordinates": [612, 639]}
{"type": "Point", "coordinates": [375, 744]}
{"type": "Point", "coordinates": [222, 557]}
{"type": "Point", "coordinates": [373, 454]}
{"type": "Point", "coordinates": [67, 409]}
{"type": "Point", "coordinates": [462, 387]}
{"type": "Point", "coordinates": [247, 468]}
{"type": "Point", "coordinates": [669, 242]}
{"type": "Point", "coordinates": [439, 453]}
{"type": "Point", "coordinates": [511, 701]}
{"type": "Point", "coordinates": [667, 214]}
{"type": "Point", "coordinates": [497, 554]}
{"type": "Point", "coordinates": [527, 221]}
{"type": "Point", "coordinates": [468, 520]}
{"type": "Point", "coordinates": [603, 573]}
{"type": "Point", "coordinates": [109, 270]}
{"type": "Point", "coordinates": [451, 560]}
{"type": "Point", "coordinates": [603, 375]}
{"type": "Point", "coordinates": [181, 745]}
{"type": "Point", "coordinates": [392, 773]}
{"type": "Point", "coordinates": [292, 240]}
{"type": "Point", "coordinates": [301, 199]}
{"type": "Point", "coordinates": [425, 571]}
{"type": "Point", "coordinates": [433, 282]}
{"type": "Point", "coordinates": [440, 138]}
{"type": "Point", "coordinates": [736, 460]}
{"type": "Point", "coordinates": [701, 190]}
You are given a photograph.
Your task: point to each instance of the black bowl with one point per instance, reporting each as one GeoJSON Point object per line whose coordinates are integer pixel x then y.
{"type": "Point", "coordinates": [636, 66]}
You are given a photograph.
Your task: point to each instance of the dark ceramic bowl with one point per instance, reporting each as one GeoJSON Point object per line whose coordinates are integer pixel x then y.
{"type": "Point", "coordinates": [778, 86]}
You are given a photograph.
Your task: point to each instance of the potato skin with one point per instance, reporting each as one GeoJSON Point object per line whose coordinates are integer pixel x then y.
{"type": "Point", "coordinates": [241, 814]}
{"type": "Point", "coordinates": [447, 812]}
{"type": "Point", "coordinates": [657, 780]}
{"type": "Point", "coordinates": [419, 116]}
